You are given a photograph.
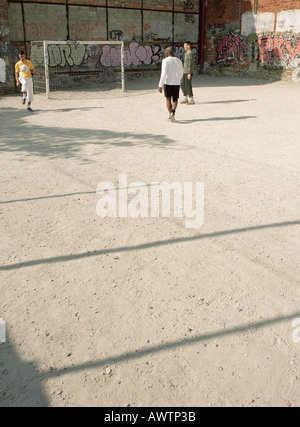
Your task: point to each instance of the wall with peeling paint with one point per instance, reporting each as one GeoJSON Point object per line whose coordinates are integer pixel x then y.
{"type": "Point", "coordinates": [258, 35]}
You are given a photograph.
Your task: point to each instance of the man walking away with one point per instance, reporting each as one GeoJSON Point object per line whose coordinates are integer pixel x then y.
{"type": "Point", "coordinates": [24, 81]}
{"type": "Point", "coordinates": [171, 75]}
{"type": "Point", "coordinates": [188, 70]}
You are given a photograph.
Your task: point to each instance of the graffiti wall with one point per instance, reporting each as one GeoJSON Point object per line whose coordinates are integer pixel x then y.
{"type": "Point", "coordinates": [253, 35]}
{"type": "Point", "coordinates": [105, 56]}
{"type": "Point", "coordinates": [109, 56]}
{"type": "Point", "coordinates": [281, 51]}
{"type": "Point", "coordinates": [232, 49]}
{"type": "Point", "coordinates": [84, 64]}
{"type": "Point", "coordinates": [145, 27]}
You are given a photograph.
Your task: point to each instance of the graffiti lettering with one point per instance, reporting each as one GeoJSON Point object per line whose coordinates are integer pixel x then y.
{"type": "Point", "coordinates": [37, 54]}
{"type": "Point", "coordinates": [131, 30]}
{"type": "Point", "coordinates": [180, 52]}
{"type": "Point", "coordinates": [61, 55]}
{"type": "Point", "coordinates": [107, 56]}
{"type": "Point", "coordinates": [37, 31]}
{"type": "Point", "coordinates": [232, 48]}
{"type": "Point", "coordinates": [286, 48]}
{"type": "Point", "coordinates": [116, 35]}
{"type": "Point", "coordinates": [66, 54]}
{"type": "Point", "coordinates": [188, 17]}
{"type": "Point", "coordinates": [135, 55]}
{"type": "Point", "coordinates": [85, 29]}
{"type": "Point", "coordinates": [151, 37]}
{"type": "Point", "coordinates": [188, 5]}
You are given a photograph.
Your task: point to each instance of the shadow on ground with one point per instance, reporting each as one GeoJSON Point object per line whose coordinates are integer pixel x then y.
{"type": "Point", "coordinates": [21, 383]}
{"type": "Point", "coordinates": [17, 135]}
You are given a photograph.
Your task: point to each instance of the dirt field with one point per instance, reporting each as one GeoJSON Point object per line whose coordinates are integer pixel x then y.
{"type": "Point", "coordinates": [144, 311]}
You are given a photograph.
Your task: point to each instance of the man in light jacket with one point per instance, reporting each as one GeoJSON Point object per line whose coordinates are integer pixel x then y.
{"type": "Point", "coordinates": [171, 75]}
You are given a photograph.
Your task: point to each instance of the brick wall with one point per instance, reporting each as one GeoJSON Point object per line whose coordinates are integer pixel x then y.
{"type": "Point", "coordinates": [253, 34]}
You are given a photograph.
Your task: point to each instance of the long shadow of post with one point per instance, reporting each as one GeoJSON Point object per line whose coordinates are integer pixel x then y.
{"type": "Point", "coordinates": [21, 382]}
{"type": "Point", "coordinates": [172, 345]}
{"type": "Point", "coordinates": [145, 246]}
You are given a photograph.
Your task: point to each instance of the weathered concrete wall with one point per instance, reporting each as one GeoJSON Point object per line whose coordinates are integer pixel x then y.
{"type": "Point", "coordinates": [6, 52]}
{"type": "Point", "coordinates": [146, 27]}
{"type": "Point", "coordinates": [159, 20]}
{"type": "Point", "coordinates": [87, 23]}
{"type": "Point", "coordinates": [42, 22]}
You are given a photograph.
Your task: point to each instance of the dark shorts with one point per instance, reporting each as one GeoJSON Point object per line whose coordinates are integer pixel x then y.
{"type": "Point", "coordinates": [172, 92]}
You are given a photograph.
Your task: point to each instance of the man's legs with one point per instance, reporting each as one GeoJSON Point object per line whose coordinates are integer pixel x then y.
{"type": "Point", "coordinates": [169, 105]}
{"type": "Point", "coordinates": [24, 97]}
{"type": "Point", "coordinates": [189, 90]}
{"type": "Point", "coordinates": [29, 93]}
{"type": "Point", "coordinates": [172, 106]}
{"type": "Point", "coordinates": [184, 89]}
{"type": "Point", "coordinates": [172, 95]}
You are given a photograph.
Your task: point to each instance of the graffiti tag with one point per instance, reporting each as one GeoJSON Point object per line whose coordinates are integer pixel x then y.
{"type": "Point", "coordinates": [286, 48]}
{"type": "Point", "coordinates": [62, 55]}
{"type": "Point", "coordinates": [135, 55]}
{"type": "Point", "coordinates": [232, 48]}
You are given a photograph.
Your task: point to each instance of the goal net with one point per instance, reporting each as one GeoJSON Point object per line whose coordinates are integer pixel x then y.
{"type": "Point", "coordinates": [78, 66]}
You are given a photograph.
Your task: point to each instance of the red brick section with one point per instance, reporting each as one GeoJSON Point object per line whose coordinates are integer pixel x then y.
{"type": "Point", "coordinates": [222, 12]}
{"type": "Point", "coordinates": [277, 5]}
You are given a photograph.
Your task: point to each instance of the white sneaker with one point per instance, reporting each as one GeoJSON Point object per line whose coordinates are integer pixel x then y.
{"type": "Point", "coordinates": [184, 101]}
{"type": "Point", "coordinates": [172, 118]}
{"type": "Point", "coordinates": [191, 102]}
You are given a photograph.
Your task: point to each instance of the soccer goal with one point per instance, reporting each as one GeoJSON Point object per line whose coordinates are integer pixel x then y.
{"type": "Point", "coordinates": [78, 65]}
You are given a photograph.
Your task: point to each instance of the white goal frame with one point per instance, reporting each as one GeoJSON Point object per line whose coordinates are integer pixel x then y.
{"type": "Point", "coordinates": [75, 42]}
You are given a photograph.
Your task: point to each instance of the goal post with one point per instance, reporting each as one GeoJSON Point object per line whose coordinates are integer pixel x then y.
{"type": "Point", "coordinates": [79, 65]}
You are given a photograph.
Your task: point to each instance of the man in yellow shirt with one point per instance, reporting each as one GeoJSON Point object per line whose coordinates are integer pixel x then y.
{"type": "Point", "coordinates": [24, 81]}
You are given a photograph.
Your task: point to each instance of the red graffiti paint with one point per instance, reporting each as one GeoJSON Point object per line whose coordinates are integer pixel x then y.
{"type": "Point", "coordinates": [286, 48]}
{"type": "Point", "coordinates": [232, 48]}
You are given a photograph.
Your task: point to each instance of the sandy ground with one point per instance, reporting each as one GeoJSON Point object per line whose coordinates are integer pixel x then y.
{"type": "Point", "coordinates": [144, 311]}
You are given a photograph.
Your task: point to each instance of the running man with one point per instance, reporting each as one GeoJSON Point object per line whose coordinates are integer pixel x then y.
{"type": "Point", "coordinates": [24, 81]}
{"type": "Point", "coordinates": [171, 75]}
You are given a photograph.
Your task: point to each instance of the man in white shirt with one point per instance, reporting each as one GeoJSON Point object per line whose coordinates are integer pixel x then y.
{"type": "Point", "coordinates": [171, 75]}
